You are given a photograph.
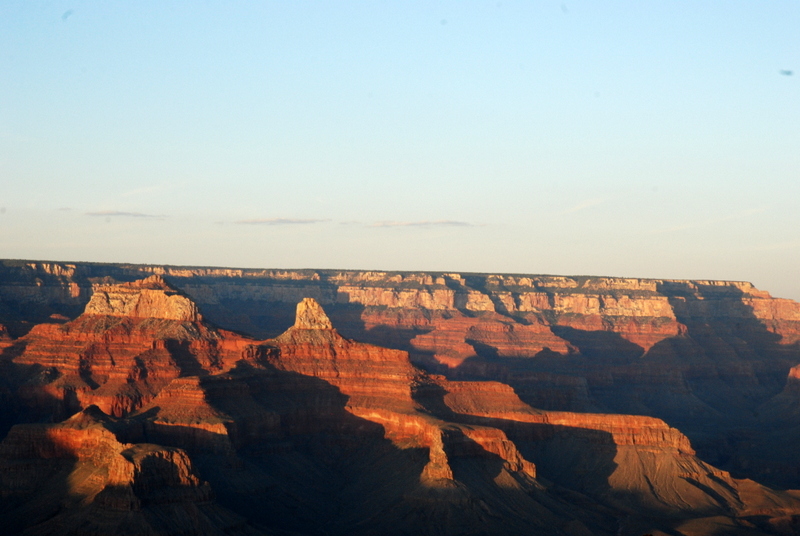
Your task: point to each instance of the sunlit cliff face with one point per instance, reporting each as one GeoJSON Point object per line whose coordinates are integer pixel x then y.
{"type": "Point", "coordinates": [150, 405]}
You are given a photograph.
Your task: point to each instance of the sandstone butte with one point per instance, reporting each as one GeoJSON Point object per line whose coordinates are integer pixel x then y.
{"type": "Point", "coordinates": [478, 404]}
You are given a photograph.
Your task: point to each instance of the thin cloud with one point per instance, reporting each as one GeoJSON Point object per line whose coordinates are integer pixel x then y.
{"type": "Point", "coordinates": [583, 205]}
{"type": "Point", "coordinates": [280, 221]}
{"type": "Point", "coordinates": [438, 223]}
{"type": "Point", "coordinates": [117, 213]}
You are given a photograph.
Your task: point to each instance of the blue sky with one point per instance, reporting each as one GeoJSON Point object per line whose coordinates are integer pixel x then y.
{"type": "Point", "coordinates": [643, 139]}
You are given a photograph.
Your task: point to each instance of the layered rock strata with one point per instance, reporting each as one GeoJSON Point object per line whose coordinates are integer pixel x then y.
{"type": "Point", "coordinates": [131, 341]}
{"type": "Point", "coordinates": [285, 424]}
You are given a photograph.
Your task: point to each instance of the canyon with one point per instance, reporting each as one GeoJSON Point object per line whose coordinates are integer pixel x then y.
{"type": "Point", "coordinates": [140, 399]}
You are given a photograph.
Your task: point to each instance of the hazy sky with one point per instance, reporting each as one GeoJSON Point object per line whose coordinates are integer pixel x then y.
{"type": "Point", "coordinates": [628, 138]}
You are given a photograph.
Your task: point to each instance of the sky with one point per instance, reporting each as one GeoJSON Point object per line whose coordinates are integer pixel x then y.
{"type": "Point", "coordinates": [621, 138]}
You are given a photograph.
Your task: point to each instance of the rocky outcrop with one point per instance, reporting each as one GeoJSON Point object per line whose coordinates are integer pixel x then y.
{"type": "Point", "coordinates": [76, 476]}
{"type": "Point", "coordinates": [132, 340]}
{"type": "Point", "coordinates": [631, 455]}
{"type": "Point", "coordinates": [370, 375]}
{"type": "Point", "coordinates": [149, 298]}
{"type": "Point", "coordinates": [641, 311]}
{"type": "Point", "coordinates": [311, 316]}
{"type": "Point", "coordinates": [378, 383]}
{"type": "Point", "coordinates": [287, 423]}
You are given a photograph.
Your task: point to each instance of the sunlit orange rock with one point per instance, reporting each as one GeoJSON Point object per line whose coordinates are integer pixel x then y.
{"type": "Point", "coordinates": [313, 429]}
{"type": "Point", "coordinates": [132, 340]}
{"type": "Point", "coordinates": [110, 487]}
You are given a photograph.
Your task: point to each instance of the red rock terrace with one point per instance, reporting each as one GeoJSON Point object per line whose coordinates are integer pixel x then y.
{"type": "Point", "coordinates": [163, 400]}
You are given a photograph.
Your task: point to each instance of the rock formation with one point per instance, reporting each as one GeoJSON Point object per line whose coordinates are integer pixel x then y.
{"type": "Point", "coordinates": [457, 413]}
{"type": "Point", "coordinates": [311, 316]}
{"type": "Point", "coordinates": [76, 477]}
{"type": "Point", "coordinates": [149, 298]}
{"type": "Point", "coordinates": [130, 342]}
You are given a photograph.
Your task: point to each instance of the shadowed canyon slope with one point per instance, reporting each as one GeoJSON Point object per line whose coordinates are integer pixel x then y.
{"type": "Point", "coordinates": [364, 402]}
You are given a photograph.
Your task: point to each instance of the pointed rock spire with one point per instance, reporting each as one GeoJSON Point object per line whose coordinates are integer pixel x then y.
{"type": "Point", "coordinates": [310, 315]}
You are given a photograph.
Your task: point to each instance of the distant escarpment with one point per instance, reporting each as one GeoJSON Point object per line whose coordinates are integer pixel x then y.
{"type": "Point", "coordinates": [711, 358]}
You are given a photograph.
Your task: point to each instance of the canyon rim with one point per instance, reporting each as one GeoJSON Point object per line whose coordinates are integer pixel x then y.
{"type": "Point", "coordinates": [142, 399]}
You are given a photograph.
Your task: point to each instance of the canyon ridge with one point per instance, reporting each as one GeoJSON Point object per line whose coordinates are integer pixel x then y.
{"type": "Point", "coordinates": [142, 399]}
